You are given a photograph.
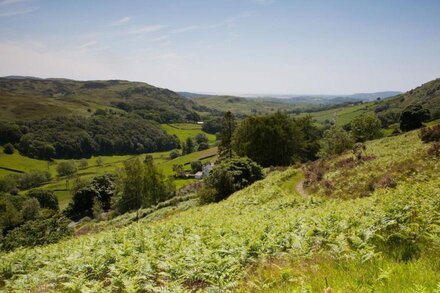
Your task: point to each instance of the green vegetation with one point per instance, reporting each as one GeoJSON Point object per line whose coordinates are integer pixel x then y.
{"type": "Point", "coordinates": [386, 241]}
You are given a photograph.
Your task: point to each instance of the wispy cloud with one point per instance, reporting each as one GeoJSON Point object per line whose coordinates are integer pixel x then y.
{"type": "Point", "coordinates": [185, 29]}
{"type": "Point", "coordinates": [121, 21]}
{"type": "Point", "coordinates": [160, 39]}
{"type": "Point", "coordinates": [7, 2]}
{"type": "Point", "coordinates": [147, 29]}
{"type": "Point", "coordinates": [13, 12]}
{"type": "Point", "coordinates": [88, 44]}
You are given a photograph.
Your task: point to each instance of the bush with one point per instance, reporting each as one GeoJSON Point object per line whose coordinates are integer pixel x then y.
{"type": "Point", "coordinates": [413, 116]}
{"type": "Point", "coordinates": [434, 150]}
{"type": "Point", "coordinates": [174, 154]}
{"type": "Point", "coordinates": [32, 179]}
{"type": "Point", "coordinates": [38, 232]}
{"type": "Point", "coordinates": [196, 166]}
{"type": "Point", "coordinates": [30, 209]}
{"type": "Point", "coordinates": [428, 134]}
{"type": "Point", "coordinates": [7, 184]}
{"type": "Point", "coordinates": [66, 168]}
{"type": "Point", "coordinates": [46, 198]}
{"type": "Point", "coordinates": [232, 175]}
{"type": "Point", "coordinates": [202, 146]}
{"type": "Point", "coordinates": [201, 138]}
{"type": "Point", "coordinates": [82, 164]}
{"type": "Point", "coordinates": [207, 195]}
{"type": "Point", "coordinates": [335, 141]}
{"type": "Point", "coordinates": [366, 127]}
{"type": "Point", "coordinates": [8, 149]}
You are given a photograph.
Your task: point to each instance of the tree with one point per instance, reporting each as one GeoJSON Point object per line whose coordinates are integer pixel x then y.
{"type": "Point", "coordinates": [201, 138]}
{"type": "Point", "coordinates": [212, 126]}
{"type": "Point", "coordinates": [8, 149]}
{"type": "Point", "coordinates": [99, 162]}
{"type": "Point", "coordinates": [196, 166]}
{"type": "Point", "coordinates": [312, 135]}
{"type": "Point", "coordinates": [203, 146]}
{"type": "Point", "coordinates": [228, 127]}
{"type": "Point", "coordinates": [30, 209]}
{"type": "Point", "coordinates": [366, 127]}
{"type": "Point", "coordinates": [272, 140]}
{"type": "Point", "coordinates": [82, 164]}
{"type": "Point", "coordinates": [174, 154]}
{"type": "Point", "coordinates": [142, 185]}
{"type": "Point", "coordinates": [335, 141]}
{"type": "Point", "coordinates": [188, 147]}
{"type": "Point", "coordinates": [46, 198]}
{"type": "Point", "coordinates": [413, 116]}
{"type": "Point", "coordinates": [66, 168]}
{"type": "Point", "coordinates": [232, 175]}
{"type": "Point", "coordinates": [179, 170]}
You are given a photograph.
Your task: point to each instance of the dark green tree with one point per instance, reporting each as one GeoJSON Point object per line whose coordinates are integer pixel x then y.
{"type": "Point", "coordinates": [228, 127]}
{"type": "Point", "coordinates": [272, 140]}
{"type": "Point", "coordinates": [231, 175]}
{"type": "Point", "coordinates": [413, 116]}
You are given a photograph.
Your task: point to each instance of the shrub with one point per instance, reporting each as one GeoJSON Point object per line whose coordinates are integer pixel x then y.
{"type": "Point", "coordinates": [30, 209]}
{"type": "Point", "coordinates": [7, 184]}
{"type": "Point", "coordinates": [201, 138]}
{"type": "Point", "coordinates": [413, 116]}
{"type": "Point", "coordinates": [202, 146]}
{"type": "Point", "coordinates": [207, 195]}
{"type": "Point", "coordinates": [66, 168]}
{"type": "Point", "coordinates": [335, 141]}
{"type": "Point", "coordinates": [46, 198]}
{"type": "Point", "coordinates": [82, 164]}
{"type": "Point", "coordinates": [315, 172]}
{"type": "Point", "coordinates": [428, 134]}
{"type": "Point", "coordinates": [38, 232]}
{"type": "Point", "coordinates": [8, 149]}
{"type": "Point", "coordinates": [174, 154]}
{"type": "Point", "coordinates": [32, 179]}
{"type": "Point", "coordinates": [196, 166]}
{"type": "Point", "coordinates": [232, 175]}
{"type": "Point", "coordinates": [434, 150]}
{"type": "Point", "coordinates": [366, 127]}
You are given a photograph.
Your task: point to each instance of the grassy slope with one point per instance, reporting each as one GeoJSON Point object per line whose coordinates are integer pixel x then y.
{"type": "Point", "coordinates": [342, 115]}
{"type": "Point", "coordinates": [110, 163]}
{"type": "Point", "coordinates": [243, 105]}
{"type": "Point", "coordinates": [185, 130]}
{"type": "Point", "coordinates": [215, 245]}
{"type": "Point", "coordinates": [31, 99]}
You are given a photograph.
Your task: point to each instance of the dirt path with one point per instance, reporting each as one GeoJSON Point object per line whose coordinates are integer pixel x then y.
{"type": "Point", "coordinates": [300, 189]}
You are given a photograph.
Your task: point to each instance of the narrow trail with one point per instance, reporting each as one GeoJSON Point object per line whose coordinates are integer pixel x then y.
{"type": "Point", "coordinates": [300, 189]}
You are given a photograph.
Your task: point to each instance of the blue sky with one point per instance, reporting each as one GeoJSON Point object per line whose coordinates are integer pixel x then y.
{"type": "Point", "coordinates": [236, 46]}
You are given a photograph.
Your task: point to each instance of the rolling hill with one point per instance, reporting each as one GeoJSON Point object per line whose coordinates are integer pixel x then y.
{"type": "Point", "coordinates": [265, 238]}
{"type": "Point", "coordinates": [32, 98]}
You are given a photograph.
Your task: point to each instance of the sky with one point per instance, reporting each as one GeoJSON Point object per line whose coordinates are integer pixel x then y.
{"type": "Point", "coordinates": [226, 46]}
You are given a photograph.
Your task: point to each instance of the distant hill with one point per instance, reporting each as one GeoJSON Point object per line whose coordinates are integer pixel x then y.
{"type": "Point", "coordinates": [24, 97]}
{"type": "Point", "coordinates": [291, 104]}
{"type": "Point", "coordinates": [428, 95]}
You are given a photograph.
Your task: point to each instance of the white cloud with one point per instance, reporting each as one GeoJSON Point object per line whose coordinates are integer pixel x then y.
{"type": "Point", "coordinates": [88, 44]}
{"type": "Point", "coordinates": [147, 29]}
{"type": "Point", "coordinates": [121, 21]}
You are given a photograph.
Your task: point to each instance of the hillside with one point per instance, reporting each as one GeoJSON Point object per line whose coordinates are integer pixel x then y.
{"type": "Point", "coordinates": [268, 237]}
{"type": "Point", "coordinates": [31, 98]}
{"type": "Point", "coordinates": [428, 95]}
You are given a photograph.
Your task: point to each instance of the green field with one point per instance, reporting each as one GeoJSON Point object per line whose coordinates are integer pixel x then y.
{"type": "Point", "coordinates": [185, 130]}
{"type": "Point", "coordinates": [342, 115]}
{"type": "Point", "coordinates": [110, 163]}
{"type": "Point", "coordinates": [266, 237]}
